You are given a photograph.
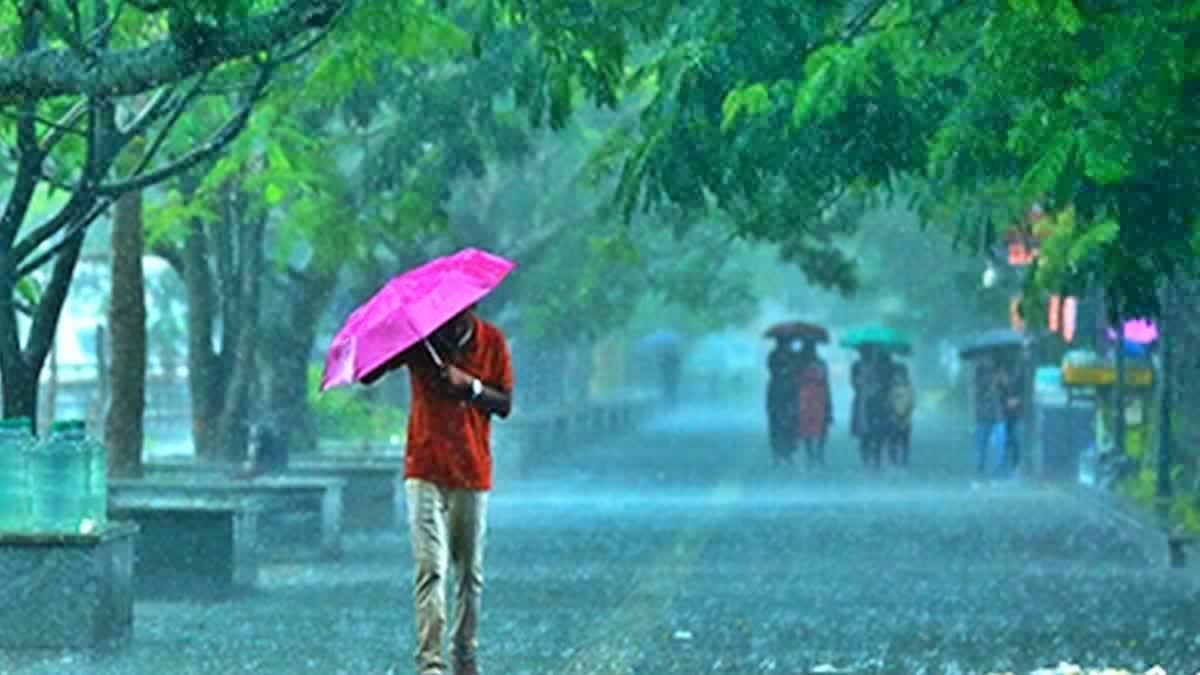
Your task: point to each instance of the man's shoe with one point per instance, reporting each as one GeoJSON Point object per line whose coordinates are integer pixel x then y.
{"type": "Point", "coordinates": [465, 665]}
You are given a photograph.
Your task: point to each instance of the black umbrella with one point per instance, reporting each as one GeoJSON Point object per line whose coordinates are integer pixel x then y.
{"type": "Point", "coordinates": [991, 341]}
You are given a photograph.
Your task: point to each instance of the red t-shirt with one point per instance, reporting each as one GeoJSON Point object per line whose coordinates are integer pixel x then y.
{"type": "Point", "coordinates": [449, 440]}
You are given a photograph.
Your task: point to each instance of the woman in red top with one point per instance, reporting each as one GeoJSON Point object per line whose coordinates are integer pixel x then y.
{"type": "Point", "coordinates": [815, 403]}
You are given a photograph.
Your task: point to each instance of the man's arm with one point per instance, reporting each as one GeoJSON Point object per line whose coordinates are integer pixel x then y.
{"type": "Point", "coordinates": [494, 401]}
{"type": "Point", "coordinates": [395, 363]}
{"type": "Point", "coordinates": [490, 399]}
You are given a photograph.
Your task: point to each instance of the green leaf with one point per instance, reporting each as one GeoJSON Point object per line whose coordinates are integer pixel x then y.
{"type": "Point", "coordinates": [1095, 237]}
{"type": "Point", "coordinates": [29, 290]}
{"type": "Point", "coordinates": [1068, 16]}
{"type": "Point", "coordinates": [754, 99]}
{"type": "Point", "coordinates": [814, 86]}
{"type": "Point", "coordinates": [273, 194]}
{"type": "Point", "coordinates": [1050, 168]}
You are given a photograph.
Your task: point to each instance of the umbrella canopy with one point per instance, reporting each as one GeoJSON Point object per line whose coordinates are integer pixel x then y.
{"type": "Point", "coordinates": [991, 341]}
{"type": "Point", "coordinates": [1137, 331]}
{"type": "Point", "coordinates": [798, 330]}
{"type": "Point", "coordinates": [408, 309]}
{"type": "Point", "coordinates": [881, 337]}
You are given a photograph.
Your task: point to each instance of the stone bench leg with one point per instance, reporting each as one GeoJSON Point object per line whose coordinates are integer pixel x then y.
{"type": "Point", "coordinates": [331, 524]}
{"type": "Point", "coordinates": [195, 552]}
{"type": "Point", "coordinates": [245, 550]}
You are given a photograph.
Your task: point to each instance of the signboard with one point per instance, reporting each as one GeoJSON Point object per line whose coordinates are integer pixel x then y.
{"type": "Point", "coordinates": [1063, 314]}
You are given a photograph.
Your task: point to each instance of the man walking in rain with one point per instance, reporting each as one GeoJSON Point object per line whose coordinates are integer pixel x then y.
{"type": "Point", "coordinates": [448, 473]}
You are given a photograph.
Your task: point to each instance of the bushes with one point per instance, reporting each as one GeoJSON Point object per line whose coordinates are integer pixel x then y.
{"type": "Point", "coordinates": [345, 414]}
{"type": "Point", "coordinates": [1185, 504]}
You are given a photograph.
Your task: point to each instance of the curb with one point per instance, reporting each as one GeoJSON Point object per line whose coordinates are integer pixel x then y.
{"type": "Point", "coordinates": [1137, 521]}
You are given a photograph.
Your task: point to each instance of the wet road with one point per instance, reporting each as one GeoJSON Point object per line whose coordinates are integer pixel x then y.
{"type": "Point", "coordinates": [680, 551]}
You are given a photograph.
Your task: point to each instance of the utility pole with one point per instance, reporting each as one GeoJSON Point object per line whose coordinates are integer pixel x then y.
{"type": "Point", "coordinates": [1162, 484]}
{"type": "Point", "coordinates": [1162, 487]}
{"type": "Point", "coordinates": [1118, 399]}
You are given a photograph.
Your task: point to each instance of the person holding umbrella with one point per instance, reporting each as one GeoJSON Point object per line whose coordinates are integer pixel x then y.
{"type": "Point", "coordinates": [816, 403]}
{"type": "Point", "coordinates": [871, 379]}
{"type": "Point", "coordinates": [999, 398]}
{"type": "Point", "coordinates": [798, 397]}
{"type": "Point", "coordinates": [461, 376]}
{"type": "Point", "coordinates": [782, 400]}
{"type": "Point", "coordinates": [901, 402]}
{"type": "Point", "coordinates": [869, 419]}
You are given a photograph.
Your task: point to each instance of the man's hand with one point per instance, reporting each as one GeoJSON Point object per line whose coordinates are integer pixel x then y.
{"type": "Point", "coordinates": [458, 378]}
{"type": "Point", "coordinates": [490, 400]}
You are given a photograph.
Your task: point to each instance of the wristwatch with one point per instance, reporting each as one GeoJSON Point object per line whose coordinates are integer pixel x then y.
{"type": "Point", "coordinates": [476, 388]}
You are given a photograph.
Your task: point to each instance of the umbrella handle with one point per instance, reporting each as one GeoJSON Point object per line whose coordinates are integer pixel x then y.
{"type": "Point", "coordinates": [433, 352]}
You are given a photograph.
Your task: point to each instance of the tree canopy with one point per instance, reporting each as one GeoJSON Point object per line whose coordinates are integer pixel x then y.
{"type": "Point", "coordinates": [975, 109]}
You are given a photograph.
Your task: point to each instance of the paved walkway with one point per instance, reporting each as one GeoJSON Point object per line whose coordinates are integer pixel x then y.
{"type": "Point", "coordinates": [679, 550]}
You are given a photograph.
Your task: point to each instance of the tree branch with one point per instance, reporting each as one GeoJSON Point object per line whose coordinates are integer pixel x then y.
{"type": "Point", "coordinates": [103, 30]}
{"type": "Point", "coordinates": [64, 126]}
{"type": "Point", "coordinates": [177, 107]}
{"type": "Point", "coordinates": [28, 164]}
{"type": "Point", "coordinates": [83, 195]}
{"type": "Point", "coordinates": [214, 146]}
{"type": "Point", "coordinates": [76, 229]}
{"type": "Point", "coordinates": [315, 40]}
{"type": "Point", "coordinates": [55, 126]}
{"type": "Point", "coordinates": [150, 6]}
{"type": "Point", "coordinates": [49, 308]}
{"type": "Point", "coordinates": [47, 73]}
{"type": "Point", "coordinates": [151, 112]}
{"type": "Point", "coordinates": [72, 33]}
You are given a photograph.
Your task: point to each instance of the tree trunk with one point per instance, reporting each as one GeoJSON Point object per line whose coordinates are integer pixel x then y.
{"type": "Point", "coordinates": [241, 392]}
{"type": "Point", "coordinates": [206, 381]}
{"type": "Point", "coordinates": [20, 368]}
{"type": "Point", "coordinates": [287, 343]}
{"type": "Point", "coordinates": [124, 424]}
{"type": "Point", "coordinates": [20, 386]}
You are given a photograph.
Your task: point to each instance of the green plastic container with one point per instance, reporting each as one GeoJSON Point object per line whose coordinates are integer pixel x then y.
{"type": "Point", "coordinates": [16, 440]}
{"type": "Point", "coordinates": [59, 467]}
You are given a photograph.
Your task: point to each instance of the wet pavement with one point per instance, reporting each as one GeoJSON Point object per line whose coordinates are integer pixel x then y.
{"type": "Point", "coordinates": [681, 550]}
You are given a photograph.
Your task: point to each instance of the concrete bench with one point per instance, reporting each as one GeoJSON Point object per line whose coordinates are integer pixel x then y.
{"type": "Point", "coordinates": [192, 545]}
{"type": "Point", "coordinates": [276, 495]}
{"type": "Point", "coordinates": [68, 591]}
{"type": "Point", "coordinates": [370, 488]}
{"type": "Point", "coordinates": [367, 498]}
{"type": "Point", "coordinates": [189, 469]}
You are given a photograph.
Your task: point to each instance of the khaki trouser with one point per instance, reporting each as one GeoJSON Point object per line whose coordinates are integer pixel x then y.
{"type": "Point", "coordinates": [446, 528]}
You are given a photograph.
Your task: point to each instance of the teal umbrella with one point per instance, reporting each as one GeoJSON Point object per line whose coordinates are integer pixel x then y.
{"type": "Point", "coordinates": [877, 336]}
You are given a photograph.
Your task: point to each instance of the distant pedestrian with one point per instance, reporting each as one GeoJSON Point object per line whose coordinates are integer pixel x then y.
{"type": "Point", "coordinates": [1010, 393]}
{"type": "Point", "coordinates": [901, 403]}
{"type": "Point", "coordinates": [868, 377]}
{"type": "Point", "coordinates": [989, 417]}
{"type": "Point", "coordinates": [448, 473]}
{"type": "Point", "coordinates": [815, 403]}
{"type": "Point", "coordinates": [783, 401]}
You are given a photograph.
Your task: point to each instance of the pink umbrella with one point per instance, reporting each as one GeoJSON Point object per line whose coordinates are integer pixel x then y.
{"type": "Point", "coordinates": [1139, 331]}
{"type": "Point", "coordinates": [408, 309]}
